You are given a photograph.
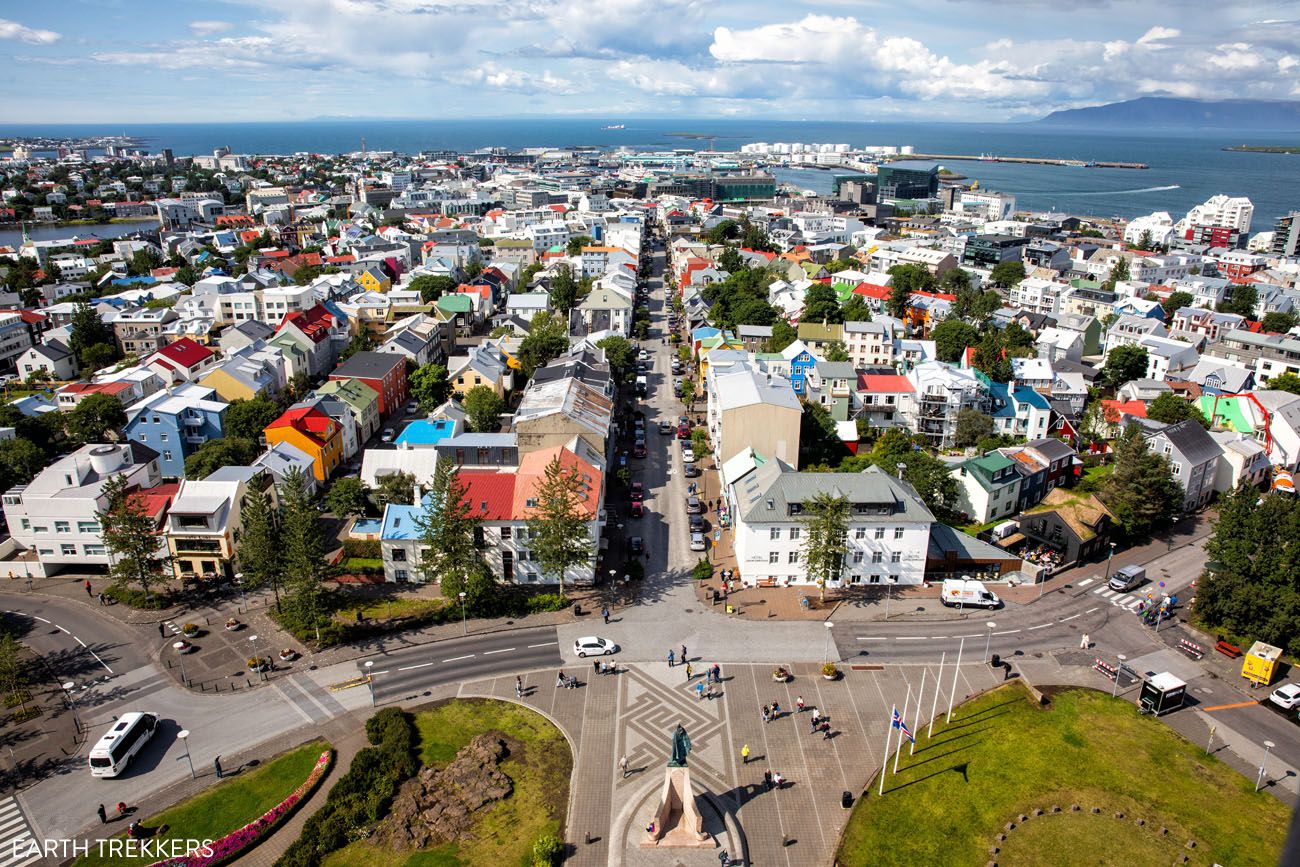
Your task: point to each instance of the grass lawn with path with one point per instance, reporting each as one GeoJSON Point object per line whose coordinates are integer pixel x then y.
{"type": "Point", "coordinates": [226, 806]}
{"type": "Point", "coordinates": [1003, 757]}
{"type": "Point", "coordinates": [504, 832]}
{"type": "Point", "coordinates": [387, 608]}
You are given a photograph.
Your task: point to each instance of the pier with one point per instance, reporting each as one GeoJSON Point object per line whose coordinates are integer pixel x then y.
{"type": "Point", "coordinates": [1039, 161]}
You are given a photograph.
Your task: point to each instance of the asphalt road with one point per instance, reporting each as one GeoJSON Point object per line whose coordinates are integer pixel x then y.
{"type": "Point", "coordinates": [76, 641]}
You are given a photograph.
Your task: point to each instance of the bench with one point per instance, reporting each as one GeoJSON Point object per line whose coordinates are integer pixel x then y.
{"type": "Point", "coordinates": [765, 582]}
{"type": "Point", "coordinates": [1231, 651]}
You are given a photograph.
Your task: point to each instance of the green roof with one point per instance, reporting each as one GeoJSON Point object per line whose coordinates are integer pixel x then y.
{"type": "Point", "coordinates": [817, 331]}
{"type": "Point", "coordinates": [810, 268]}
{"type": "Point", "coordinates": [456, 303]}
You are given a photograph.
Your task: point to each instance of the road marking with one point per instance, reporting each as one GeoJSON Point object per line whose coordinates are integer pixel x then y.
{"type": "Point", "coordinates": [16, 838]}
{"type": "Point", "coordinates": [413, 667]}
{"type": "Point", "coordinates": [459, 658]}
{"type": "Point", "coordinates": [1072, 616]}
{"type": "Point", "coordinates": [909, 638]}
{"type": "Point", "coordinates": [873, 638]}
{"type": "Point", "coordinates": [1089, 611]}
{"type": "Point", "coordinates": [972, 635]}
{"type": "Point", "coordinates": [61, 629]}
{"type": "Point", "coordinates": [1039, 626]}
{"type": "Point", "coordinates": [502, 650]}
{"type": "Point", "coordinates": [1226, 706]}
{"type": "Point", "coordinates": [42, 619]}
{"type": "Point", "coordinates": [1086, 581]}
{"type": "Point", "coordinates": [543, 644]}
{"type": "Point", "coordinates": [1007, 632]}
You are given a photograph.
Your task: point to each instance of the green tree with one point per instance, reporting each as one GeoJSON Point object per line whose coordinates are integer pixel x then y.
{"type": "Point", "coordinates": [1276, 322]}
{"type": "Point", "coordinates": [548, 339]}
{"type": "Point", "coordinates": [13, 680]}
{"type": "Point", "coordinates": [951, 338]}
{"type": "Point", "coordinates": [130, 535]}
{"type": "Point", "coordinates": [688, 392]}
{"type": "Point", "coordinates": [975, 306]}
{"type": "Point", "coordinates": [484, 408]}
{"type": "Point", "coordinates": [143, 261]}
{"type": "Point", "coordinates": [305, 566]}
{"type": "Point", "coordinates": [1124, 364]}
{"type": "Point", "coordinates": [783, 334]}
{"type": "Point", "coordinates": [429, 386]}
{"type": "Point", "coordinates": [564, 290]}
{"type": "Point", "coordinates": [904, 280]}
{"type": "Point", "coordinates": [755, 238]}
{"type": "Point", "coordinates": [432, 287]}
{"type": "Point", "coordinates": [1175, 302]}
{"type": "Point", "coordinates": [702, 570]}
{"type": "Point", "coordinates": [348, 497]}
{"type": "Point", "coordinates": [1288, 382]}
{"type": "Point", "coordinates": [225, 452]}
{"type": "Point", "coordinates": [247, 419]}
{"type": "Point", "coordinates": [473, 269]}
{"type": "Point", "coordinates": [1171, 409]}
{"type": "Point", "coordinates": [576, 243]}
{"type": "Point", "coordinates": [972, 426]}
{"type": "Point", "coordinates": [258, 543]}
{"type": "Point", "coordinates": [821, 304]}
{"type": "Point", "coordinates": [825, 521]}
{"type": "Point", "coordinates": [362, 341]}
{"type": "Point", "coordinates": [95, 418]}
{"type": "Point", "coordinates": [98, 356]}
{"type": "Point", "coordinates": [855, 310]}
{"type": "Point", "coordinates": [1141, 491]}
{"type": "Point", "coordinates": [619, 354]}
{"type": "Point", "coordinates": [1007, 274]}
{"type": "Point", "coordinates": [723, 231]}
{"type": "Point", "coordinates": [20, 461]}
{"type": "Point", "coordinates": [1144, 240]}
{"type": "Point", "coordinates": [955, 281]}
{"type": "Point", "coordinates": [923, 471]}
{"type": "Point", "coordinates": [729, 260]}
{"type": "Point", "coordinates": [88, 330]}
{"type": "Point", "coordinates": [558, 524]}
{"type": "Point", "coordinates": [836, 351]}
{"type": "Point", "coordinates": [448, 529]}
{"type": "Point", "coordinates": [398, 487]}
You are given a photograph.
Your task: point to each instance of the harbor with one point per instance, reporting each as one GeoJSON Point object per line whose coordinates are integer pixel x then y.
{"type": "Point", "coordinates": [1038, 161]}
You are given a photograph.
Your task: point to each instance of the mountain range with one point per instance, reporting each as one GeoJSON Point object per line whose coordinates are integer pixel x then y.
{"type": "Point", "coordinates": [1172, 112]}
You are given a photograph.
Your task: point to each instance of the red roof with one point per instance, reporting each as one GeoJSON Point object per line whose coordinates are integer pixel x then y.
{"type": "Point", "coordinates": [341, 260]}
{"type": "Point", "coordinates": [250, 236]}
{"type": "Point", "coordinates": [884, 382]}
{"type": "Point", "coordinates": [872, 290]}
{"type": "Point", "coordinates": [184, 352]}
{"type": "Point", "coordinates": [314, 323]}
{"type": "Point", "coordinates": [490, 496]}
{"type": "Point", "coordinates": [157, 499]}
{"type": "Point", "coordinates": [31, 317]}
{"type": "Point", "coordinates": [113, 388]}
{"type": "Point", "coordinates": [307, 420]}
{"type": "Point", "coordinates": [1115, 409]}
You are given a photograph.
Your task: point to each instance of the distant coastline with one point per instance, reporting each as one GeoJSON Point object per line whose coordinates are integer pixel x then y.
{"type": "Point", "coordinates": [1264, 149]}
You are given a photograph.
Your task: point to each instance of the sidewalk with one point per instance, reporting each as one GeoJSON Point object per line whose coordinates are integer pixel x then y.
{"type": "Point", "coordinates": [73, 589]}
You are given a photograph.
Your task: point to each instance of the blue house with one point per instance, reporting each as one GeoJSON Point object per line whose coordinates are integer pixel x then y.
{"type": "Point", "coordinates": [1018, 410]}
{"type": "Point", "coordinates": [801, 360]}
{"type": "Point", "coordinates": [175, 423]}
{"type": "Point", "coordinates": [427, 432]}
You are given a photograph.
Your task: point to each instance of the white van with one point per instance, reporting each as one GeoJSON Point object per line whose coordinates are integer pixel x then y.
{"type": "Point", "coordinates": [1127, 577]}
{"type": "Point", "coordinates": [113, 752]}
{"type": "Point", "coordinates": [957, 591]}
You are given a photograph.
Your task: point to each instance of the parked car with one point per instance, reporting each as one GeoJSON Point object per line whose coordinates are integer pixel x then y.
{"type": "Point", "coordinates": [637, 510]}
{"type": "Point", "coordinates": [637, 545]}
{"type": "Point", "coordinates": [412, 407]}
{"type": "Point", "coordinates": [665, 427]}
{"type": "Point", "coordinates": [1286, 696]}
{"type": "Point", "coordinates": [388, 435]}
{"type": "Point", "coordinates": [692, 471]}
{"type": "Point", "coordinates": [683, 431]}
{"type": "Point", "coordinates": [698, 524]}
{"type": "Point", "coordinates": [698, 542]}
{"type": "Point", "coordinates": [593, 646]}
{"type": "Point", "coordinates": [694, 506]}
{"type": "Point", "coordinates": [638, 450]}
{"type": "Point", "coordinates": [638, 492]}
{"type": "Point", "coordinates": [688, 455]}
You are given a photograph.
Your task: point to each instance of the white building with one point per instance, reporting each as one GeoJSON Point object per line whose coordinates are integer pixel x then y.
{"type": "Point", "coordinates": [986, 204]}
{"type": "Point", "coordinates": [1233, 212]}
{"type": "Point", "coordinates": [1159, 227]}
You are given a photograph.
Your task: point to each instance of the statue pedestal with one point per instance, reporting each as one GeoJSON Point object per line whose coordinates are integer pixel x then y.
{"type": "Point", "coordinates": [678, 823]}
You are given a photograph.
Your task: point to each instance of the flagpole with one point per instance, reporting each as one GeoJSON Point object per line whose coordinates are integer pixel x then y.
{"type": "Point", "coordinates": [884, 759]}
{"type": "Point", "coordinates": [955, 671]}
{"type": "Point", "coordinates": [902, 721]}
{"type": "Point", "coordinates": [920, 696]}
{"type": "Point", "coordinates": [934, 705]}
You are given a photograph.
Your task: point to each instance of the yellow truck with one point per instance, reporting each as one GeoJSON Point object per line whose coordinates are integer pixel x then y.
{"type": "Point", "coordinates": [1260, 663]}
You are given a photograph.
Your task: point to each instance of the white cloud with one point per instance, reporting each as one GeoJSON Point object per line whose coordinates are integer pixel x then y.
{"type": "Point", "coordinates": [210, 28]}
{"type": "Point", "coordinates": [504, 78]}
{"type": "Point", "coordinates": [1157, 35]}
{"type": "Point", "coordinates": [14, 30]}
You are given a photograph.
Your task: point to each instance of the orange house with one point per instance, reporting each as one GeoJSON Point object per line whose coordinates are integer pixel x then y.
{"type": "Point", "coordinates": [314, 432]}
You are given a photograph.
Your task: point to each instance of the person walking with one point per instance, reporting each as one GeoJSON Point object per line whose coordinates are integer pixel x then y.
{"type": "Point", "coordinates": [670, 659]}
{"type": "Point", "coordinates": [776, 710]}
{"type": "Point", "coordinates": [101, 598]}
{"type": "Point", "coordinates": [689, 671]}
{"type": "Point", "coordinates": [826, 731]}
{"type": "Point", "coordinates": [622, 766]}
{"type": "Point", "coordinates": [767, 714]}
{"type": "Point", "coordinates": [1084, 642]}
{"type": "Point", "coordinates": [103, 815]}
{"type": "Point", "coordinates": [88, 593]}
{"type": "Point", "coordinates": [162, 633]}
{"type": "Point", "coordinates": [767, 780]}
{"type": "Point", "coordinates": [604, 612]}
{"type": "Point", "coordinates": [744, 754]}
{"type": "Point", "coordinates": [683, 653]}
{"type": "Point", "coordinates": [815, 718]}
{"type": "Point", "coordinates": [560, 680]}
{"type": "Point", "coordinates": [519, 687]}
{"type": "Point", "coordinates": [699, 690]}
{"type": "Point", "coordinates": [798, 703]}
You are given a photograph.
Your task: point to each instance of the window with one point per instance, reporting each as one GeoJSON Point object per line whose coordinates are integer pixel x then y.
{"type": "Point", "coordinates": [860, 533]}
{"type": "Point", "coordinates": [794, 557]}
{"type": "Point", "coordinates": [1176, 467]}
{"type": "Point", "coordinates": [880, 533]}
{"type": "Point", "coordinates": [774, 533]}
{"type": "Point", "coordinates": [68, 550]}
{"type": "Point", "coordinates": [877, 557]}
{"type": "Point", "coordinates": [896, 557]}
{"type": "Point", "coordinates": [774, 556]}
{"type": "Point", "coordinates": [795, 532]}
{"type": "Point", "coordinates": [167, 456]}
{"type": "Point", "coordinates": [898, 532]}
{"type": "Point", "coordinates": [857, 556]}
{"type": "Point", "coordinates": [400, 575]}
{"type": "Point", "coordinates": [27, 525]}
{"type": "Point", "coordinates": [94, 550]}
{"type": "Point", "coordinates": [399, 555]}
{"type": "Point", "coordinates": [62, 527]}
{"type": "Point", "coordinates": [505, 534]}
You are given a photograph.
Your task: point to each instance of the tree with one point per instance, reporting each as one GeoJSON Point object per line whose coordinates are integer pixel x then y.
{"type": "Point", "coordinates": [88, 330]}
{"type": "Point", "coordinates": [923, 471]}
{"type": "Point", "coordinates": [952, 337]}
{"type": "Point", "coordinates": [904, 280]}
{"type": "Point", "coordinates": [20, 461]}
{"type": "Point", "coordinates": [429, 386]}
{"type": "Point", "coordinates": [258, 543]}
{"type": "Point", "coordinates": [225, 452]}
{"type": "Point", "coordinates": [94, 418]}
{"type": "Point", "coordinates": [305, 566]}
{"type": "Point", "coordinates": [247, 419]}
{"type": "Point", "coordinates": [729, 260]}
{"type": "Point", "coordinates": [1141, 491]}
{"type": "Point", "coordinates": [836, 351]}
{"type": "Point", "coordinates": [754, 237]}
{"type": "Point", "coordinates": [432, 287]}
{"type": "Point", "coordinates": [783, 334]}
{"type": "Point", "coordinates": [855, 310]}
{"type": "Point", "coordinates": [548, 338]}
{"type": "Point", "coordinates": [362, 341]}
{"type": "Point", "coordinates": [98, 356]}
{"type": "Point", "coordinates": [688, 392]}
{"type": "Point", "coordinates": [975, 306]}
{"type": "Point", "coordinates": [1120, 271]}
{"type": "Point", "coordinates": [1007, 274]}
{"type": "Point", "coordinates": [1288, 382]}
{"type": "Point", "coordinates": [473, 269]}
{"type": "Point", "coordinates": [1124, 364]}
{"type": "Point", "coordinates": [955, 281]}
{"type": "Point", "coordinates": [1144, 240]}
{"type": "Point", "coordinates": [724, 231]}
{"type": "Point", "coordinates": [576, 243]}
{"type": "Point", "coordinates": [557, 528]}
{"type": "Point", "coordinates": [1175, 302]}
{"type": "Point", "coordinates": [1276, 322]}
{"type": "Point", "coordinates": [1171, 409]}
{"type": "Point", "coordinates": [448, 528]}
{"type": "Point", "coordinates": [347, 497]}
{"type": "Point", "coordinates": [398, 487]}
{"type": "Point", "coordinates": [13, 679]}
{"type": "Point", "coordinates": [1242, 301]}
{"type": "Point", "coordinates": [972, 426]}
{"type": "Point", "coordinates": [619, 354]}
{"type": "Point", "coordinates": [826, 530]}
{"type": "Point", "coordinates": [143, 261]}
{"type": "Point", "coordinates": [564, 290]}
{"type": "Point", "coordinates": [484, 408]}
{"type": "Point", "coordinates": [821, 304]}
{"type": "Point", "coordinates": [130, 535]}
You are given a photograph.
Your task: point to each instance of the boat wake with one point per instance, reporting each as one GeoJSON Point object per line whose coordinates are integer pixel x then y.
{"type": "Point", "coordinates": [1123, 192]}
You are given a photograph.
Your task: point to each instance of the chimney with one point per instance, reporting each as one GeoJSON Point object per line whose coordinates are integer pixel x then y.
{"type": "Point", "coordinates": [415, 494]}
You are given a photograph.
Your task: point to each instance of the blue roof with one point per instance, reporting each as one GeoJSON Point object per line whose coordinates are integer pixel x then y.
{"type": "Point", "coordinates": [401, 522]}
{"type": "Point", "coordinates": [133, 281]}
{"type": "Point", "coordinates": [704, 332]}
{"type": "Point", "coordinates": [423, 432]}
{"type": "Point", "coordinates": [1025, 394]}
{"type": "Point", "coordinates": [1005, 407]}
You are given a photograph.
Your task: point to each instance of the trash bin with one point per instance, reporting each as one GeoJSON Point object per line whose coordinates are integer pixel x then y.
{"type": "Point", "coordinates": [577, 609]}
{"type": "Point", "coordinates": [846, 799]}
{"type": "Point", "coordinates": [996, 661]}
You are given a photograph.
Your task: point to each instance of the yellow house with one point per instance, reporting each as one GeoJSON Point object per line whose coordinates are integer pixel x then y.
{"type": "Point", "coordinates": [374, 280]}
{"type": "Point", "coordinates": [312, 431]}
{"type": "Point", "coordinates": [487, 365]}
{"type": "Point", "coordinates": [238, 379]}
{"type": "Point", "coordinates": [709, 344]}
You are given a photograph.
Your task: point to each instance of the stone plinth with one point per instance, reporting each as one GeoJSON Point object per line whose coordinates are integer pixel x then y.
{"type": "Point", "coordinates": [678, 823]}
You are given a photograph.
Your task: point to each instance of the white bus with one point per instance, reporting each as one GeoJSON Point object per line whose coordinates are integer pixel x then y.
{"type": "Point", "coordinates": [113, 752]}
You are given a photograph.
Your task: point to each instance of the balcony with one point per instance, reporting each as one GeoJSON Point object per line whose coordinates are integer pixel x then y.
{"type": "Point", "coordinates": [192, 421]}
{"type": "Point", "coordinates": [196, 546]}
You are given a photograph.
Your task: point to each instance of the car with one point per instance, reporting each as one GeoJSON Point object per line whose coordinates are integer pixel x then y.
{"type": "Point", "coordinates": [697, 524]}
{"type": "Point", "coordinates": [638, 492]}
{"type": "Point", "coordinates": [694, 506]}
{"type": "Point", "coordinates": [1126, 578]}
{"type": "Point", "coordinates": [692, 471]}
{"type": "Point", "coordinates": [388, 435]}
{"type": "Point", "coordinates": [688, 455]}
{"type": "Point", "coordinates": [637, 509]}
{"type": "Point", "coordinates": [1286, 696]}
{"type": "Point", "coordinates": [412, 407]}
{"type": "Point", "coordinates": [639, 450]}
{"type": "Point", "coordinates": [637, 545]}
{"type": "Point", "coordinates": [593, 646]}
{"type": "Point", "coordinates": [665, 427]}
{"type": "Point", "coordinates": [644, 355]}
{"type": "Point", "coordinates": [698, 542]}
{"type": "Point", "coordinates": [683, 431]}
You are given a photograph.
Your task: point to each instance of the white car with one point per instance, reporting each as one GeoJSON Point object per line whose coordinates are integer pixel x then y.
{"type": "Point", "coordinates": [593, 646]}
{"type": "Point", "coordinates": [645, 355]}
{"type": "Point", "coordinates": [698, 542]}
{"type": "Point", "coordinates": [688, 455]}
{"type": "Point", "coordinates": [388, 435]}
{"type": "Point", "coordinates": [1286, 696]}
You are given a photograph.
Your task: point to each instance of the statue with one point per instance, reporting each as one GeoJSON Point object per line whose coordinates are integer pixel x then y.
{"type": "Point", "coordinates": [681, 747]}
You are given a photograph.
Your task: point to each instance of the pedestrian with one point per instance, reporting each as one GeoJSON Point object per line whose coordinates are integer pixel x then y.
{"type": "Point", "coordinates": [744, 754]}
{"type": "Point", "coordinates": [689, 671]}
{"type": "Point", "coordinates": [101, 598]}
{"type": "Point", "coordinates": [595, 666]}
{"type": "Point", "coordinates": [767, 780]}
{"type": "Point", "coordinates": [798, 703]}
{"type": "Point", "coordinates": [622, 766]}
{"type": "Point", "coordinates": [815, 723]}
{"type": "Point", "coordinates": [699, 690]}
{"type": "Point", "coordinates": [559, 680]}
{"type": "Point", "coordinates": [826, 731]}
{"type": "Point", "coordinates": [604, 612]}
{"type": "Point", "coordinates": [88, 593]}
{"type": "Point", "coordinates": [103, 815]}
{"type": "Point", "coordinates": [670, 659]}
{"type": "Point", "coordinates": [778, 780]}
{"type": "Point", "coordinates": [162, 633]}
{"type": "Point", "coordinates": [519, 687]}
{"type": "Point", "coordinates": [767, 714]}
{"type": "Point", "coordinates": [216, 766]}
{"type": "Point", "coordinates": [717, 673]}
{"type": "Point", "coordinates": [121, 809]}
{"type": "Point", "coordinates": [1083, 642]}
{"type": "Point", "coordinates": [776, 710]}
{"type": "Point", "coordinates": [683, 653]}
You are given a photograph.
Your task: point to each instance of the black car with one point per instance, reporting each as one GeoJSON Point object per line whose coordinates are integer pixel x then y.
{"type": "Point", "coordinates": [637, 545]}
{"type": "Point", "coordinates": [692, 471]}
{"type": "Point", "coordinates": [698, 524]}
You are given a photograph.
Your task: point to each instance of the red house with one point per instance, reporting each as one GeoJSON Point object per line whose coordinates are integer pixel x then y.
{"type": "Point", "coordinates": [385, 372]}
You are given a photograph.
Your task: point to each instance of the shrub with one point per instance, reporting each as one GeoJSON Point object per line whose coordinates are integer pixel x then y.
{"type": "Point", "coordinates": [366, 549]}
{"type": "Point", "coordinates": [547, 850]}
{"type": "Point", "coordinates": [545, 602]}
{"type": "Point", "coordinates": [829, 670]}
{"type": "Point", "coordinates": [136, 598]}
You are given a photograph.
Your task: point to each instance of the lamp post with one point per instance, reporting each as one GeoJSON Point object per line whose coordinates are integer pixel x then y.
{"type": "Point", "coordinates": [1118, 668]}
{"type": "Point", "coordinates": [1259, 781]}
{"type": "Point", "coordinates": [252, 639]}
{"type": "Point", "coordinates": [1108, 556]}
{"type": "Point", "coordinates": [67, 691]}
{"type": "Point", "coordinates": [179, 647]}
{"type": "Point", "coordinates": [826, 650]}
{"type": "Point", "coordinates": [989, 640]}
{"type": "Point", "coordinates": [464, 624]}
{"type": "Point", "coordinates": [184, 735]}
{"type": "Point", "coordinates": [370, 680]}
{"type": "Point", "coordinates": [239, 579]}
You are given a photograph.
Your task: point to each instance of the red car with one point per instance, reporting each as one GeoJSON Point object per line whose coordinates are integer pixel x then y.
{"type": "Point", "coordinates": [683, 431]}
{"type": "Point", "coordinates": [637, 510]}
{"type": "Point", "coordinates": [638, 492]}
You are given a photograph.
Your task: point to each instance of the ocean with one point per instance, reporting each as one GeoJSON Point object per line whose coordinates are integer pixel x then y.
{"type": "Point", "coordinates": [1186, 167]}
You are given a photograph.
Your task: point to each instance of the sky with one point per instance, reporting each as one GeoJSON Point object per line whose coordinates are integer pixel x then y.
{"type": "Point", "coordinates": [144, 61]}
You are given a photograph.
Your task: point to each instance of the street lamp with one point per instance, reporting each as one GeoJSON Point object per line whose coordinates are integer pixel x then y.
{"type": "Point", "coordinates": [1108, 556]}
{"type": "Point", "coordinates": [252, 639]}
{"type": "Point", "coordinates": [464, 624]}
{"type": "Point", "coordinates": [1259, 781]}
{"type": "Point", "coordinates": [991, 625]}
{"type": "Point", "coordinates": [239, 579]}
{"type": "Point", "coordinates": [184, 735]}
{"type": "Point", "coordinates": [179, 647]}
{"type": "Point", "coordinates": [370, 680]}
{"type": "Point", "coordinates": [826, 651]}
{"type": "Point", "coordinates": [67, 691]}
{"type": "Point", "coordinates": [1120, 659]}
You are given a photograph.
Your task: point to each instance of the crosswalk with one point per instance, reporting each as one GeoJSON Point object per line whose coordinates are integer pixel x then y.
{"type": "Point", "coordinates": [1119, 600]}
{"type": "Point", "coordinates": [15, 835]}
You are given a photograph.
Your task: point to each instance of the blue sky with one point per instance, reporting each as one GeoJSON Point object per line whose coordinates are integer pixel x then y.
{"type": "Point", "coordinates": [121, 61]}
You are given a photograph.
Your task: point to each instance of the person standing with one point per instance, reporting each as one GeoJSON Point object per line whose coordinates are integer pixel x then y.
{"type": "Point", "coordinates": [776, 710]}
{"type": "Point", "coordinates": [699, 690]}
{"type": "Point", "coordinates": [683, 653]}
{"type": "Point", "coordinates": [103, 815]}
{"type": "Point", "coordinates": [744, 754]}
{"type": "Point", "coordinates": [767, 780]}
{"type": "Point", "coordinates": [1083, 642]}
{"type": "Point", "coordinates": [767, 714]}
{"type": "Point", "coordinates": [798, 703]}
{"type": "Point", "coordinates": [826, 731]}
{"type": "Point", "coordinates": [88, 593]}
{"type": "Point", "coordinates": [689, 671]}
{"type": "Point", "coordinates": [519, 687]}
{"type": "Point", "coordinates": [604, 612]}
{"type": "Point", "coordinates": [622, 766]}
{"type": "Point", "coordinates": [162, 633]}
{"type": "Point", "coordinates": [670, 659]}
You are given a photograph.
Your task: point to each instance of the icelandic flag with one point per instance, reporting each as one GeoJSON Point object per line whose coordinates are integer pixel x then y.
{"type": "Point", "coordinates": [902, 726]}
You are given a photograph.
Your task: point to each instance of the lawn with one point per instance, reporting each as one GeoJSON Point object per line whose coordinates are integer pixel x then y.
{"type": "Point", "coordinates": [505, 831]}
{"type": "Point", "coordinates": [1003, 756]}
{"type": "Point", "coordinates": [224, 807]}
{"type": "Point", "coordinates": [381, 608]}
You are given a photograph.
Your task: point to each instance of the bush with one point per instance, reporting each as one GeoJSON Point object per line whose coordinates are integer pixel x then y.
{"type": "Point", "coordinates": [635, 570]}
{"type": "Point", "coordinates": [829, 670]}
{"type": "Point", "coordinates": [366, 549]}
{"type": "Point", "coordinates": [136, 598]}
{"type": "Point", "coordinates": [543, 602]}
{"type": "Point", "coordinates": [547, 850]}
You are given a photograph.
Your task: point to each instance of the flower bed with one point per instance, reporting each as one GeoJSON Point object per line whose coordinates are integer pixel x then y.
{"type": "Point", "coordinates": [236, 843]}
